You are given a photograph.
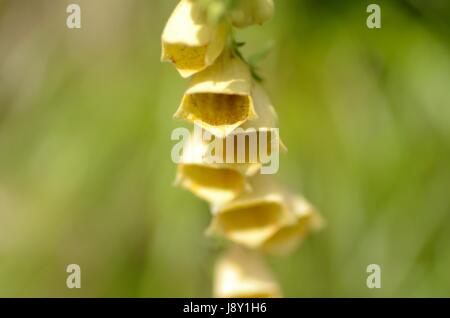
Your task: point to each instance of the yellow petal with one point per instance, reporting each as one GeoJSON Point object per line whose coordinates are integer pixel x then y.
{"type": "Point", "coordinates": [189, 41]}
{"type": "Point", "coordinates": [249, 12]}
{"type": "Point", "coordinates": [215, 183]}
{"type": "Point", "coordinates": [219, 98]}
{"type": "Point", "coordinates": [269, 217]}
{"type": "Point", "coordinates": [267, 118]}
{"type": "Point", "coordinates": [240, 273]}
{"type": "Point", "coordinates": [253, 217]}
{"type": "Point", "coordinates": [305, 220]}
{"type": "Point", "coordinates": [240, 156]}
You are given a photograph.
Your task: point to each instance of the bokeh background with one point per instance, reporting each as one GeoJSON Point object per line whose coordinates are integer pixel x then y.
{"type": "Point", "coordinates": [85, 169]}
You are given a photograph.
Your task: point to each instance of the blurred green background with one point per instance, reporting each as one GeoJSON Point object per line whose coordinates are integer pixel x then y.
{"type": "Point", "coordinates": [85, 169]}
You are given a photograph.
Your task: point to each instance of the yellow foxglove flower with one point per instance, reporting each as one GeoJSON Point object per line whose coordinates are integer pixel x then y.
{"type": "Point", "coordinates": [240, 273]}
{"type": "Point", "coordinates": [269, 217]}
{"type": "Point", "coordinates": [213, 182]}
{"type": "Point", "coordinates": [219, 98]}
{"type": "Point", "coordinates": [249, 12]}
{"type": "Point", "coordinates": [253, 217]}
{"type": "Point", "coordinates": [305, 220]}
{"type": "Point", "coordinates": [218, 183]}
{"type": "Point", "coordinates": [189, 41]}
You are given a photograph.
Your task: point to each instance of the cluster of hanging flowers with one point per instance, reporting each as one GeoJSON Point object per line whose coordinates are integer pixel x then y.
{"type": "Point", "coordinates": [250, 209]}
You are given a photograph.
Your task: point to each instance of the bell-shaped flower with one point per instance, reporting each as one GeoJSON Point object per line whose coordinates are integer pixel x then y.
{"type": "Point", "coordinates": [235, 157]}
{"type": "Point", "coordinates": [211, 181]}
{"type": "Point", "coordinates": [190, 41]}
{"type": "Point", "coordinates": [219, 98]}
{"type": "Point", "coordinates": [269, 217]}
{"type": "Point", "coordinates": [253, 217]}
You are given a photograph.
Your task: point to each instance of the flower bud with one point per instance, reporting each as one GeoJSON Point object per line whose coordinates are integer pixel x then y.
{"type": "Point", "coordinates": [249, 12]}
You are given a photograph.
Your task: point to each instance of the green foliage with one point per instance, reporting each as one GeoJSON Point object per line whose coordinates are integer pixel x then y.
{"type": "Point", "coordinates": [254, 59]}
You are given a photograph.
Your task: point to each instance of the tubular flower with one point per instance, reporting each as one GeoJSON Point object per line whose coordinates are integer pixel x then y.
{"type": "Point", "coordinates": [238, 156]}
{"type": "Point", "coordinates": [249, 12]}
{"type": "Point", "coordinates": [219, 98]}
{"type": "Point", "coordinates": [240, 273]}
{"type": "Point", "coordinates": [189, 41]}
{"type": "Point", "coordinates": [268, 218]}
{"type": "Point", "coordinates": [252, 218]}
{"type": "Point", "coordinates": [215, 183]}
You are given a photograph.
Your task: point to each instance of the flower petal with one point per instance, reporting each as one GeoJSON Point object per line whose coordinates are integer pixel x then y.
{"type": "Point", "coordinates": [240, 273]}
